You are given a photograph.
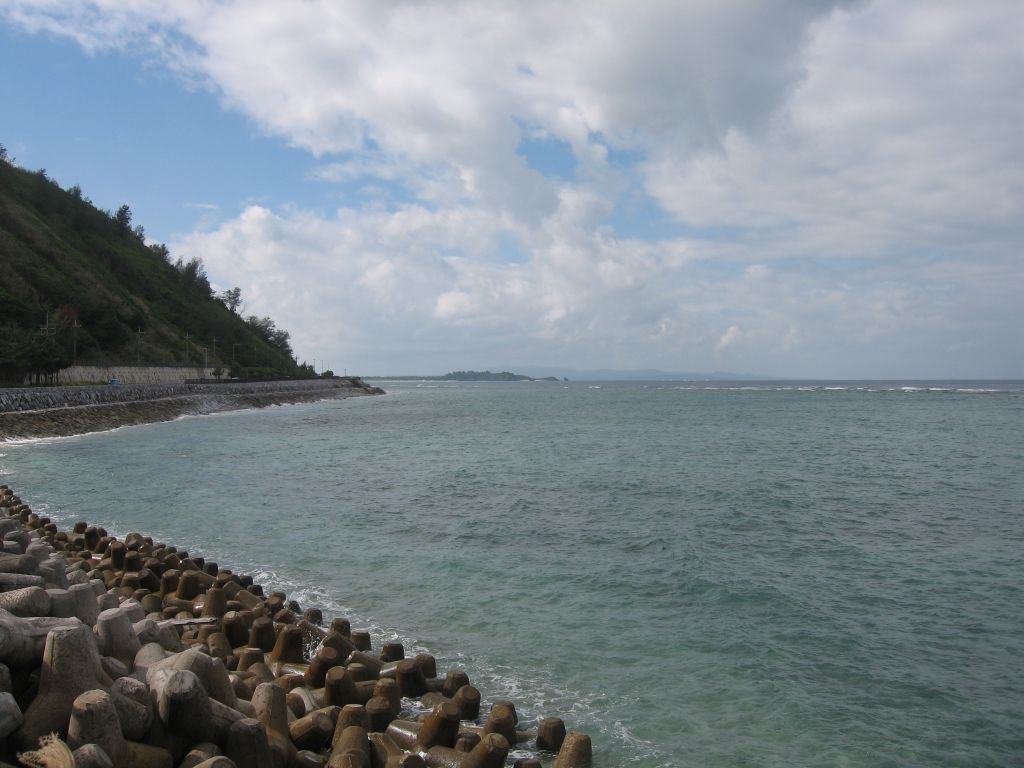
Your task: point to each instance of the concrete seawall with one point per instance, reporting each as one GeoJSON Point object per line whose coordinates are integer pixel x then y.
{"type": "Point", "coordinates": [60, 411]}
{"type": "Point", "coordinates": [132, 374]}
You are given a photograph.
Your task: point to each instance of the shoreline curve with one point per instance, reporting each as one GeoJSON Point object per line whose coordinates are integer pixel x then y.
{"type": "Point", "coordinates": [41, 412]}
{"type": "Point", "coordinates": [147, 634]}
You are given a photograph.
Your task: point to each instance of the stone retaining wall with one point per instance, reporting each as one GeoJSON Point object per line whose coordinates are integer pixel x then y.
{"type": "Point", "coordinates": [36, 398]}
{"type": "Point", "coordinates": [60, 411]}
{"type": "Point", "coordinates": [132, 374]}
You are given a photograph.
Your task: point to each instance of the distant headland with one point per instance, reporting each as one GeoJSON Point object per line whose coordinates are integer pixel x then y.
{"type": "Point", "coordinates": [471, 376]}
{"type": "Point", "coordinates": [537, 373]}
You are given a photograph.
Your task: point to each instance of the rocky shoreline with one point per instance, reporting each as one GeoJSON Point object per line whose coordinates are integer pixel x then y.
{"type": "Point", "coordinates": [133, 653]}
{"type": "Point", "coordinates": [62, 411]}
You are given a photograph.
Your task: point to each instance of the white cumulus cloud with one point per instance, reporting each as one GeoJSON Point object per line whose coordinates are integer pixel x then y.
{"type": "Point", "coordinates": [839, 182]}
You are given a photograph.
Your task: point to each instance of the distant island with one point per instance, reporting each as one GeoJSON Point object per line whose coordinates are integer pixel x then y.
{"type": "Point", "coordinates": [471, 376]}
{"type": "Point", "coordinates": [540, 373]}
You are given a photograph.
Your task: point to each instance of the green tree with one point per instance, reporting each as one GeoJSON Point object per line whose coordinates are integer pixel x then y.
{"type": "Point", "coordinates": [232, 298]}
{"type": "Point", "coordinates": [193, 275]}
{"type": "Point", "coordinates": [267, 330]}
{"type": "Point", "coordinates": [123, 217]}
{"type": "Point", "coordinates": [281, 341]}
{"type": "Point", "coordinates": [13, 355]}
{"type": "Point", "coordinates": [24, 352]}
{"type": "Point", "coordinates": [162, 251]}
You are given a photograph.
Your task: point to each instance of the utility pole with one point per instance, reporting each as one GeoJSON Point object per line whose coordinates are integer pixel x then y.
{"type": "Point", "coordinates": [47, 329]}
{"type": "Point", "coordinates": [138, 338]}
{"type": "Point", "coordinates": [215, 346]}
{"type": "Point", "coordinates": [74, 340]}
{"type": "Point", "coordinates": [186, 348]}
{"type": "Point", "coordinates": [233, 347]}
{"type": "Point", "coordinates": [204, 362]}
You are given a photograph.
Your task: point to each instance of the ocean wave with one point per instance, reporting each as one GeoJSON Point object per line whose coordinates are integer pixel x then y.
{"type": "Point", "coordinates": [533, 689]}
{"type": "Point", "coordinates": [23, 441]}
{"type": "Point", "coordinates": [686, 593]}
{"type": "Point", "coordinates": [871, 388]}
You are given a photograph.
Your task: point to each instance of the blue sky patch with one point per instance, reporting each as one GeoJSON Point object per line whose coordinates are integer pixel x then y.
{"type": "Point", "coordinates": [510, 250]}
{"type": "Point", "coordinates": [548, 156]}
{"type": "Point", "coordinates": [636, 215]}
{"type": "Point", "coordinates": [180, 144]}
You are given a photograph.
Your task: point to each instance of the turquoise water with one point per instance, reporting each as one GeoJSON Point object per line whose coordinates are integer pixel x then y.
{"type": "Point", "coordinates": [733, 575]}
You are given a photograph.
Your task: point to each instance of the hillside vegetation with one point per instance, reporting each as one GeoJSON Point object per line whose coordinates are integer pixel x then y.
{"type": "Point", "coordinates": [80, 285]}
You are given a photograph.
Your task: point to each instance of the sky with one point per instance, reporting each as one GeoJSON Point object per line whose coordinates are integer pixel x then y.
{"type": "Point", "coordinates": [802, 188]}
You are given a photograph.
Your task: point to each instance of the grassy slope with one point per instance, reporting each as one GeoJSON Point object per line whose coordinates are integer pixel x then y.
{"type": "Point", "coordinates": [62, 256]}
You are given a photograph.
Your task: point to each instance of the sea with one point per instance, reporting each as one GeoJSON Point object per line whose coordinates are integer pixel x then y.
{"type": "Point", "coordinates": [694, 573]}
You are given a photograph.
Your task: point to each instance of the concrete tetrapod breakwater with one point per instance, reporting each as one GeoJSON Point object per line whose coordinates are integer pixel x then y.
{"type": "Point", "coordinates": [31, 412]}
{"type": "Point", "coordinates": [125, 654]}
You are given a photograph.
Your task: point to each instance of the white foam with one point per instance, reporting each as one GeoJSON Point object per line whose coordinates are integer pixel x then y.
{"type": "Point", "coordinates": [534, 691]}
{"type": "Point", "coordinates": [18, 441]}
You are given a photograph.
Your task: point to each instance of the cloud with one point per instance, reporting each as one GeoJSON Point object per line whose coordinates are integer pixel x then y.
{"type": "Point", "coordinates": [447, 90]}
{"type": "Point", "coordinates": [841, 180]}
{"type": "Point", "coordinates": [393, 294]}
{"type": "Point", "coordinates": [730, 337]}
{"type": "Point", "coordinates": [902, 135]}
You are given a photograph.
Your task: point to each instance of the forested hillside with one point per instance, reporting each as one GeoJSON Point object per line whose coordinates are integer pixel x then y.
{"type": "Point", "coordinates": [80, 285]}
